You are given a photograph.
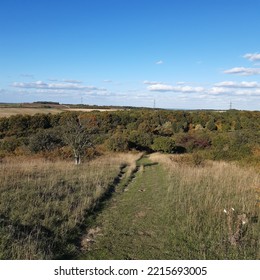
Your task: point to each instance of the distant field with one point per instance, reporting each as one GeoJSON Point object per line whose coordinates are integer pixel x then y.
{"type": "Point", "coordinates": [7, 112]}
{"type": "Point", "coordinates": [90, 110]}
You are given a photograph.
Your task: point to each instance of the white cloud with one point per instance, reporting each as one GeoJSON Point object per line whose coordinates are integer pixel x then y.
{"type": "Point", "coordinates": [160, 87]}
{"type": "Point", "coordinates": [159, 62]}
{"type": "Point", "coordinates": [163, 87]}
{"type": "Point", "coordinates": [243, 71]}
{"type": "Point", "coordinates": [53, 86]}
{"type": "Point", "coordinates": [151, 82]}
{"type": "Point", "coordinates": [107, 81]}
{"type": "Point", "coordinates": [252, 56]}
{"type": "Point", "coordinates": [244, 92]}
{"type": "Point", "coordinates": [219, 91]}
{"type": "Point", "coordinates": [231, 84]}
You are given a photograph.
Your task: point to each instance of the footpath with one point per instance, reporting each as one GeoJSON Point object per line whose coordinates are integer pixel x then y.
{"type": "Point", "coordinates": [133, 223]}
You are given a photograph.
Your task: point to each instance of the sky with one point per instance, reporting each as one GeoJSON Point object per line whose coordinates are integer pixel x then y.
{"type": "Point", "coordinates": [184, 54]}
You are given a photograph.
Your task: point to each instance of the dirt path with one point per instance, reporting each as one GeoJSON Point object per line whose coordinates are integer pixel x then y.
{"type": "Point", "coordinates": [134, 223]}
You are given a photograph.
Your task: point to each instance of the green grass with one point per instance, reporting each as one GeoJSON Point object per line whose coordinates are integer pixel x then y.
{"type": "Point", "coordinates": [174, 211]}
{"type": "Point", "coordinates": [130, 223]}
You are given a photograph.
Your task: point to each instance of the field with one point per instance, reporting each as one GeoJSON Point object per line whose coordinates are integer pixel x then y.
{"type": "Point", "coordinates": [175, 211]}
{"type": "Point", "coordinates": [44, 204]}
{"type": "Point", "coordinates": [7, 112]}
{"type": "Point", "coordinates": [122, 207]}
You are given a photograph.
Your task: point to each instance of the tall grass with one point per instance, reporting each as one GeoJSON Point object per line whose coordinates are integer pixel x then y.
{"type": "Point", "coordinates": [44, 204]}
{"type": "Point", "coordinates": [196, 198]}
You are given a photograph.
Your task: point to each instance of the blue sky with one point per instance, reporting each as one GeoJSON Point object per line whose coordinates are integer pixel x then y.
{"type": "Point", "coordinates": [181, 53]}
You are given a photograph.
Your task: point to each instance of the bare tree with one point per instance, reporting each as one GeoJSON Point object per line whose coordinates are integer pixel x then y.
{"type": "Point", "coordinates": [77, 136]}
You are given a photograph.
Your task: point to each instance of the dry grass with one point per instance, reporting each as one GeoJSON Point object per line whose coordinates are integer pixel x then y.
{"type": "Point", "coordinates": [43, 204]}
{"type": "Point", "coordinates": [7, 112]}
{"type": "Point", "coordinates": [220, 178]}
{"type": "Point", "coordinates": [94, 109]}
{"type": "Point", "coordinates": [197, 197]}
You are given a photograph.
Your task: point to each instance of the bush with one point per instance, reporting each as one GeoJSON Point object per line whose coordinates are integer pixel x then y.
{"type": "Point", "coordinates": [9, 144]}
{"type": "Point", "coordinates": [164, 144]}
{"type": "Point", "coordinates": [191, 141]}
{"type": "Point", "coordinates": [44, 140]}
{"type": "Point", "coordinates": [140, 140]}
{"type": "Point", "coordinates": [117, 142]}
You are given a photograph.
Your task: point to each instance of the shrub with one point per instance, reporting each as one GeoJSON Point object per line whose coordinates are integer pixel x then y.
{"type": "Point", "coordinates": [117, 142]}
{"type": "Point", "coordinates": [191, 141]}
{"type": "Point", "coordinates": [9, 144]}
{"type": "Point", "coordinates": [44, 140]}
{"type": "Point", "coordinates": [164, 144]}
{"type": "Point", "coordinates": [140, 140]}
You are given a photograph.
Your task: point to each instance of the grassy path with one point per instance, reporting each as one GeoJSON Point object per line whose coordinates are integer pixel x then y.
{"type": "Point", "coordinates": [174, 211]}
{"type": "Point", "coordinates": [134, 226]}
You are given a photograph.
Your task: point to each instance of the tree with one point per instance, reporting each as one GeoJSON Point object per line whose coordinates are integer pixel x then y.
{"type": "Point", "coordinates": [77, 136]}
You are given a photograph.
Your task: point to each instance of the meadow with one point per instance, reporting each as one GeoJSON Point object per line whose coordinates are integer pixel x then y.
{"type": "Point", "coordinates": [174, 209]}
{"type": "Point", "coordinates": [44, 203]}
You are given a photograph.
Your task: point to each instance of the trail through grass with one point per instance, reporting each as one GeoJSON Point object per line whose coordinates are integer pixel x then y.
{"type": "Point", "coordinates": [131, 226]}
{"type": "Point", "coordinates": [169, 211]}
{"type": "Point", "coordinates": [44, 205]}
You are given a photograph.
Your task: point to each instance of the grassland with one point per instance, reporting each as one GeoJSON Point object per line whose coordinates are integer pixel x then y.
{"type": "Point", "coordinates": [160, 207]}
{"type": "Point", "coordinates": [44, 204]}
{"type": "Point", "coordinates": [174, 210]}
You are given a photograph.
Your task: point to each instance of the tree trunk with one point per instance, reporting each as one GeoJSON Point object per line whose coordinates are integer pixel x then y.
{"type": "Point", "coordinates": [77, 159]}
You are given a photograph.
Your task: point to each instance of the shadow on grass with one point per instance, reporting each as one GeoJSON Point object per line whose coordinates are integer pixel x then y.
{"type": "Point", "coordinates": [150, 164]}
{"type": "Point", "coordinates": [92, 214]}
{"type": "Point", "coordinates": [102, 203]}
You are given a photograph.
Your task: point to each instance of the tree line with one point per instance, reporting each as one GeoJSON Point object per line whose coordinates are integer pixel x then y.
{"type": "Point", "coordinates": [230, 134]}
